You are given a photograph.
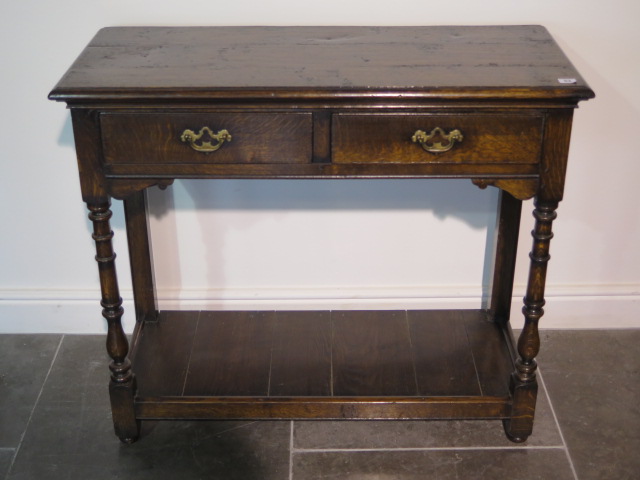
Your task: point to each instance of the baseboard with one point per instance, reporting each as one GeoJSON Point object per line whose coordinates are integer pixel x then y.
{"type": "Point", "coordinates": [78, 311]}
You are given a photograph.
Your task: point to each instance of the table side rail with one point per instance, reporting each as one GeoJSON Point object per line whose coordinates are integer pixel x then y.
{"type": "Point", "coordinates": [354, 408]}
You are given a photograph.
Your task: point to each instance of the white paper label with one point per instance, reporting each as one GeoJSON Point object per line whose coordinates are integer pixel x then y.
{"type": "Point", "coordinates": [567, 80]}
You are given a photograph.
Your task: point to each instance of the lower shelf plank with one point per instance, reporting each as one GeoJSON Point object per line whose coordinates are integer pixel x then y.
{"type": "Point", "coordinates": [371, 354]}
{"type": "Point", "coordinates": [337, 408]}
{"type": "Point", "coordinates": [344, 364]}
{"type": "Point", "coordinates": [231, 354]}
{"type": "Point", "coordinates": [301, 355]}
{"type": "Point", "coordinates": [163, 351]}
{"type": "Point", "coordinates": [444, 361]}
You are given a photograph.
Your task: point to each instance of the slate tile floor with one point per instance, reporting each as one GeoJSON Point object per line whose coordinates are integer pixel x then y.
{"type": "Point", "coordinates": [55, 424]}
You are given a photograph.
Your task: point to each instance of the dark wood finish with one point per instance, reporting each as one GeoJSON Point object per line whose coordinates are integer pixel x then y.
{"type": "Point", "coordinates": [523, 380]}
{"type": "Point", "coordinates": [158, 353]}
{"type": "Point", "coordinates": [520, 180]}
{"type": "Point", "coordinates": [506, 248]}
{"type": "Point", "coordinates": [227, 343]}
{"type": "Point", "coordinates": [140, 139]}
{"type": "Point", "coordinates": [140, 257]}
{"type": "Point", "coordinates": [123, 383]}
{"type": "Point", "coordinates": [87, 137]}
{"type": "Point", "coordinates": [323, 102]}
{"type": "Point", "coordinates": [382, 138]}
{"type": "Point", "coordinates": [372, 354]}
{"type": "Point", "coordinates": [301, 355]}
{"type": "Point", "coordinates": [444, 362]}
{"type": "Point", "coordinates": [322, 136]}
{"type": "Point", "coordinates": [301, 360]}
{"type": "Point", "coordinates": [493, 370]}
{"type": "Point", "coordinates": [249, 63]}
{"type": "Point", "coordinates": [338, 408]}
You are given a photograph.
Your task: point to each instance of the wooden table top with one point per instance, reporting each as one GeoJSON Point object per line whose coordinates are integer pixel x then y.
{"type": "Point", "coordinates": [186, 63]}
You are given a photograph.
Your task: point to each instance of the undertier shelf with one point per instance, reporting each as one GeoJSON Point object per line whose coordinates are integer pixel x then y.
{"type": "Point", "coordinates": [322, 364]}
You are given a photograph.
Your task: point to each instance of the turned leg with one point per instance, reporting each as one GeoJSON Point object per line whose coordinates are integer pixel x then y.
{"type": "Point", "coordinates": [507, 230]}
{"type": "Point", "coordinates": [122, 384]}
{"type": "Point", "coordinates": [524, 386]}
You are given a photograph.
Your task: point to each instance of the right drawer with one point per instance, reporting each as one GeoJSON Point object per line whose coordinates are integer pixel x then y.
{"type": "Point", "coordinates": [436, 138]}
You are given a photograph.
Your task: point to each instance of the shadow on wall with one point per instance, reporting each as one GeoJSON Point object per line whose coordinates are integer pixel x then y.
{"type": "Point", "coordinates": [444, 199]}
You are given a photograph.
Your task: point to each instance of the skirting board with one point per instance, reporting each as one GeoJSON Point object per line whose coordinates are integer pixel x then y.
{"type": "Point", "coordinates": [78, 311]}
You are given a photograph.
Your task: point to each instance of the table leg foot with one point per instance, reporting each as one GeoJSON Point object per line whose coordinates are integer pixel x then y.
{"type": "Point", "coordinates": [125, 424]}
{"type": "Point", "coordinates": [515, 438]}
{"type": "Point", "coordinates": [128, 441]}
{"type": "Point", "coordinates": [524, 394]}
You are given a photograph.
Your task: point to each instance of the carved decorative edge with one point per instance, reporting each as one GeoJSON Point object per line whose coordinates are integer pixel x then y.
{"type": "Point", "coordinates": [522, 189]}
{"type": "Point", "coordinates": [122, 190]}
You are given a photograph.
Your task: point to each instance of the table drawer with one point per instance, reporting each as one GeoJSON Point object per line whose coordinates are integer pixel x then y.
{"type": "Point", "coordinates": [445, 138]}
{"type": "Point", "coordinates": [200, 138]}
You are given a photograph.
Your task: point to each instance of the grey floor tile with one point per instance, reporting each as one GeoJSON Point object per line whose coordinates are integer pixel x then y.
{"type": "Point", "coordinates": [6, 455]}
{"type": "Point", "coordinates": [71, 434]}
{"type": "Point", "coordinates": [590, 376]}
{"type": "Point", "coordinates": [420, 434]}
{"type": "Point", "coordinates": [193, 450]}
{"type": "Point", "coordinates": [584, 351]}
{"type": "Point", "coordinates": [523, 464]}
{"type": "Point", "coordinates": [80, 372]}
{"type": "Point", "coordinates": [600, 419]}
{"type": "Point", "coordinates": [24, 363]}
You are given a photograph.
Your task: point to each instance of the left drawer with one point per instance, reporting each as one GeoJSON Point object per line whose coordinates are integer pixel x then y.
{"type": "Point", "coordinates": [200, 138]}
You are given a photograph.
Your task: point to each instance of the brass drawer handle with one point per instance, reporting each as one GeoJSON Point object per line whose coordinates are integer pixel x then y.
{"type": "Point", "coordinates": [433, 143]}
{"type": "Point", "coordinates": [191, 137]}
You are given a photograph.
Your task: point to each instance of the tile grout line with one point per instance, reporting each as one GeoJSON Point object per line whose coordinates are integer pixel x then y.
{"type": "Point", "coordinates": [424, 449]}
{"type": "Point", "coordinates": [291, 452]}
{"type": "Point", "coordinates": [555, 418]}
{"type": "Point", "coordinates": [35, 405]}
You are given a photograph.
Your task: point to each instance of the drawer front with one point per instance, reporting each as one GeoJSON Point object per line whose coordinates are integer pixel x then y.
{"type": "Point", "coordinates": [446, 138]}
{"type": "Point", "coordinates": [199, 138]}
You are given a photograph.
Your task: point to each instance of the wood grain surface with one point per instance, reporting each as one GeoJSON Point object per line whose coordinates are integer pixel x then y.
{"type": "Point", "coordinates": [323, 354]}
{"type": "Point", "coordinates": [240, 61]}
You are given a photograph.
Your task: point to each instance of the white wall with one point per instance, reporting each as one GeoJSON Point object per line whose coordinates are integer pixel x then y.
{"type": "Point", "coordinates": [350, 244]}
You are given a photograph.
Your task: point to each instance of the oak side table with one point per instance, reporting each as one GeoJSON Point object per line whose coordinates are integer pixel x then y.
{"type": "Point", "coordinates": [489, 104]}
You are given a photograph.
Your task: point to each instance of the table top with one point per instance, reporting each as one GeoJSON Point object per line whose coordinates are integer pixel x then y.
{"type": "Point", "coordinates": [186, 63]}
